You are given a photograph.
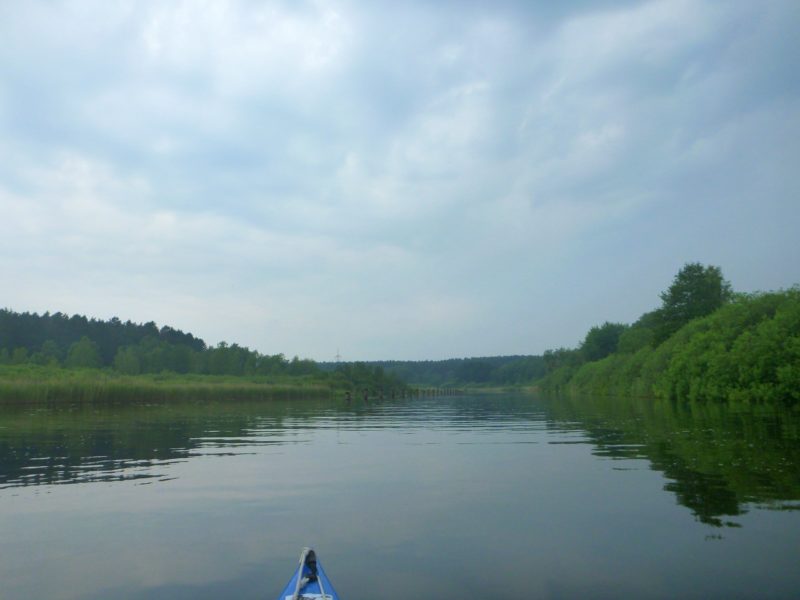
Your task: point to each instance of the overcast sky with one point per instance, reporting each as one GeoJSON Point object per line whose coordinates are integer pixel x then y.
{"type": "Point", "coordinates": [401, 180]}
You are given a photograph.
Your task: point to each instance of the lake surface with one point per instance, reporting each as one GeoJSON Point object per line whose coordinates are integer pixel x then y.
{"type": "Point", "coordinates": [499, 496]}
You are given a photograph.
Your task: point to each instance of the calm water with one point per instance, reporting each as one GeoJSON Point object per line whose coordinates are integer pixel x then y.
{"type": "Point", "coordinates": [448, 498]}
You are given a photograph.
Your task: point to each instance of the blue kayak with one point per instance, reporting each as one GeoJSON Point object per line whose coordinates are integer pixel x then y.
{"type": "Point", "coordinates": [309, 581]}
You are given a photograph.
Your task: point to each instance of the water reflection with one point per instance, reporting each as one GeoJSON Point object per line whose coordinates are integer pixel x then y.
{"type": "Point", "coordinates": [101, 443]}
{"type": "Point", "coordinates": [516, 496]}
{"type": "Point", "coordinates": [718, 460]}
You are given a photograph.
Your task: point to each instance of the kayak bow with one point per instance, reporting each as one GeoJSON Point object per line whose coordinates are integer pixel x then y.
{"type": "Point", "coordinates": [309, 581]}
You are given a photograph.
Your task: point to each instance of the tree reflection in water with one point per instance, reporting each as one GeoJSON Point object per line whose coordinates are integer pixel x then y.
{"type": "Point", "coordinates": [718, 458]}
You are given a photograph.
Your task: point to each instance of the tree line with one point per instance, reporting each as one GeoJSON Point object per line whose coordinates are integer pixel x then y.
{"type": "Point", "coordinates": [49, 338]}
{"type": "Point", "coordinates": [704, 342]}
{"type": "Point", "coordinates": [75, 341]}
{"type": "Point", "coordinates": [60, 341]}
{"type": "Point", "coordinates": [488, 370]}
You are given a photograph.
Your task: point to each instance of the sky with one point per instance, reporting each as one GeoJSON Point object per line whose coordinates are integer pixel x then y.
{"type": "Point", "coordinates": [393, 180]}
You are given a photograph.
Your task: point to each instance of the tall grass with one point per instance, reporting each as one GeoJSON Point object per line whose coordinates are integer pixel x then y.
{"type": "Point", "coordinates": [31, 383]}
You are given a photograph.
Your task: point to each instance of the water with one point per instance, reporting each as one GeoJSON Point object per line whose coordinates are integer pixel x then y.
{"type": "Point", "coordinates": [449, 498]}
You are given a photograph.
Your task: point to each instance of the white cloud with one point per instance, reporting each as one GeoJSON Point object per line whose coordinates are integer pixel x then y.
{"type": "Point", "coordinates": [416, 180]}
{"type": "Point", "coordinates": [269, 46]}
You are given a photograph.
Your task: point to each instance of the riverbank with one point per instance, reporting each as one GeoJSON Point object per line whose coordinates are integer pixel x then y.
{"type": "Point", "coordinates": [748, 350]}
{"type": "Point", "coordinates": [32, 383]}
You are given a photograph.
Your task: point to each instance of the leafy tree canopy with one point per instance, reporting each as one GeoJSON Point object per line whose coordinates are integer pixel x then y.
{"type": "Point", "coordinates": [695, 292]}
{"type": "Point", "coordinates": [83, 353]}
{"type": "Point", "coordinates": [601, 341]}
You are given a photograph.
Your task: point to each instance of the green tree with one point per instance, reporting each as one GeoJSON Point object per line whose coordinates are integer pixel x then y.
{"type": "Point", "coordinates": [127, 361]}
{"type": "Point", "coordinates": [695, 292]}
{"type": "Point", "coordinates": [559, 358]}
{"type": "Point", "coordinates": [634, 339]}
{"type": "Point", "coordinates": [272, 365]}
{"type": "Point", "coordinates": [601, 341]}
{"type": "Point", "coordinates": [304, 366]}
{"type": "Point", "coordinates": [641, 333]}
{"type": "Point", "coordinates": [19, 356]}
{"type": "Point", "coordinates": [51, 352]}
{"type": "Point", "coordinates": [474, 371]}
{"type": "Point", "coordinates": [83, 353]}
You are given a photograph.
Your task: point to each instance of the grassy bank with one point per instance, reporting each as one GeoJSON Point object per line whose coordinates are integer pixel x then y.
{"type": "Point", "coordinates": [748, 350]}
{"type": "Point", "coordinates": [32, 383]}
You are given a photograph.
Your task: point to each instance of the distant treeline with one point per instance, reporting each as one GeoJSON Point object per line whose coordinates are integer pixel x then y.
{"type": "Point", "coordinates": [488, 370]}
{"type": "Point", "coordinates": [28, 333]}
{"type": "Point", "coordinates": [704, 342]}
{"type": "Point", "coordinates": [60, 341]}
{"type": "Point", "coordinates": [130, 348]}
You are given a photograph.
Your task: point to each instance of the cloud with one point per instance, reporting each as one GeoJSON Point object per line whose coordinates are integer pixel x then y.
{"type": "Point", "coordinates": [415, 180]}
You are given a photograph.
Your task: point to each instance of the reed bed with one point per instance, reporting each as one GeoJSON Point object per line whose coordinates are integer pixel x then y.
{"type": "Point", "coordinates": [31, 384]}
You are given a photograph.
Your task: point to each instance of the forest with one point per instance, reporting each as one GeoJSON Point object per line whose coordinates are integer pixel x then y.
{"type": "Point", "coordinates": [62, 341]}
{"type": "Point", "coordinates": [705, 342]}
{"type": "Point", "coordinates": [479, 371]}
{"type": "Point", "coordinates": [55, 353]}
{"type": "Point", "coordinates": [58, 340]}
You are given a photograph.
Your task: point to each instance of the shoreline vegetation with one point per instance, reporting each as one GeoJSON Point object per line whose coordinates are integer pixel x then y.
{"type": "Point", "coordinates": [52, 358]}
{"type": "Point", "coordinates": [43, 384]}
{"type": "Point", "coordinates": [481, 372]}
{"type": "Point", "coordinates": [55, 357]}
{"type": "Point", "coordinates": [705, 343]}
{"type": "Point", "coordinates": [51, 384]}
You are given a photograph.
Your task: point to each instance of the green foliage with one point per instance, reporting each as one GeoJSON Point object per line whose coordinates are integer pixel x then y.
{"type": "Point", "coordinates": [703, 343]}
{"type": "Point", "coordinates": [361, 376]}
{"type": "Point", "coordinates": [558, 379]}
{"type": "Point", "coordinates": [475, 371]}
{"type": "Point", "coordinates": [634, 338]}
{"type": "Point", "coordinates": [601, 341]}
{"type": "Point", "coordinates": [298, 366]}
{"type": "Point", "coordinates": [148, 349]}
{"type": "Point", "coordinates": [19, 356]}
{"type": "Point", "coordinates": [695, 292]}
{"type": "Point", "coordinates": [139, 350]}
{"type": "Point", "coordinates": [748, 350]}
{"type": "Point", "coordinates": [226, 360]}
{"type": "Point", "coordinates": [83, 354]}
{"type": "Point", "coordinates": [31, 331]}
{"type": "Point", "coordinates": [127, 361]}
{"type": "Point", "coordinates": [482, 371]}
{"type": "Point", "coordinates": [555, 360]}
{"type": "Point", "coordinates": [51, 352]}
{"type": "Point", "coordinates": [519, 372]}
{"type": "Point", "coordinates": [32, 383]}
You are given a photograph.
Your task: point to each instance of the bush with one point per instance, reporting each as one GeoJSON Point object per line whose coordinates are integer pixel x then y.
{"type": "Point", "coordinates": [747, 350]}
